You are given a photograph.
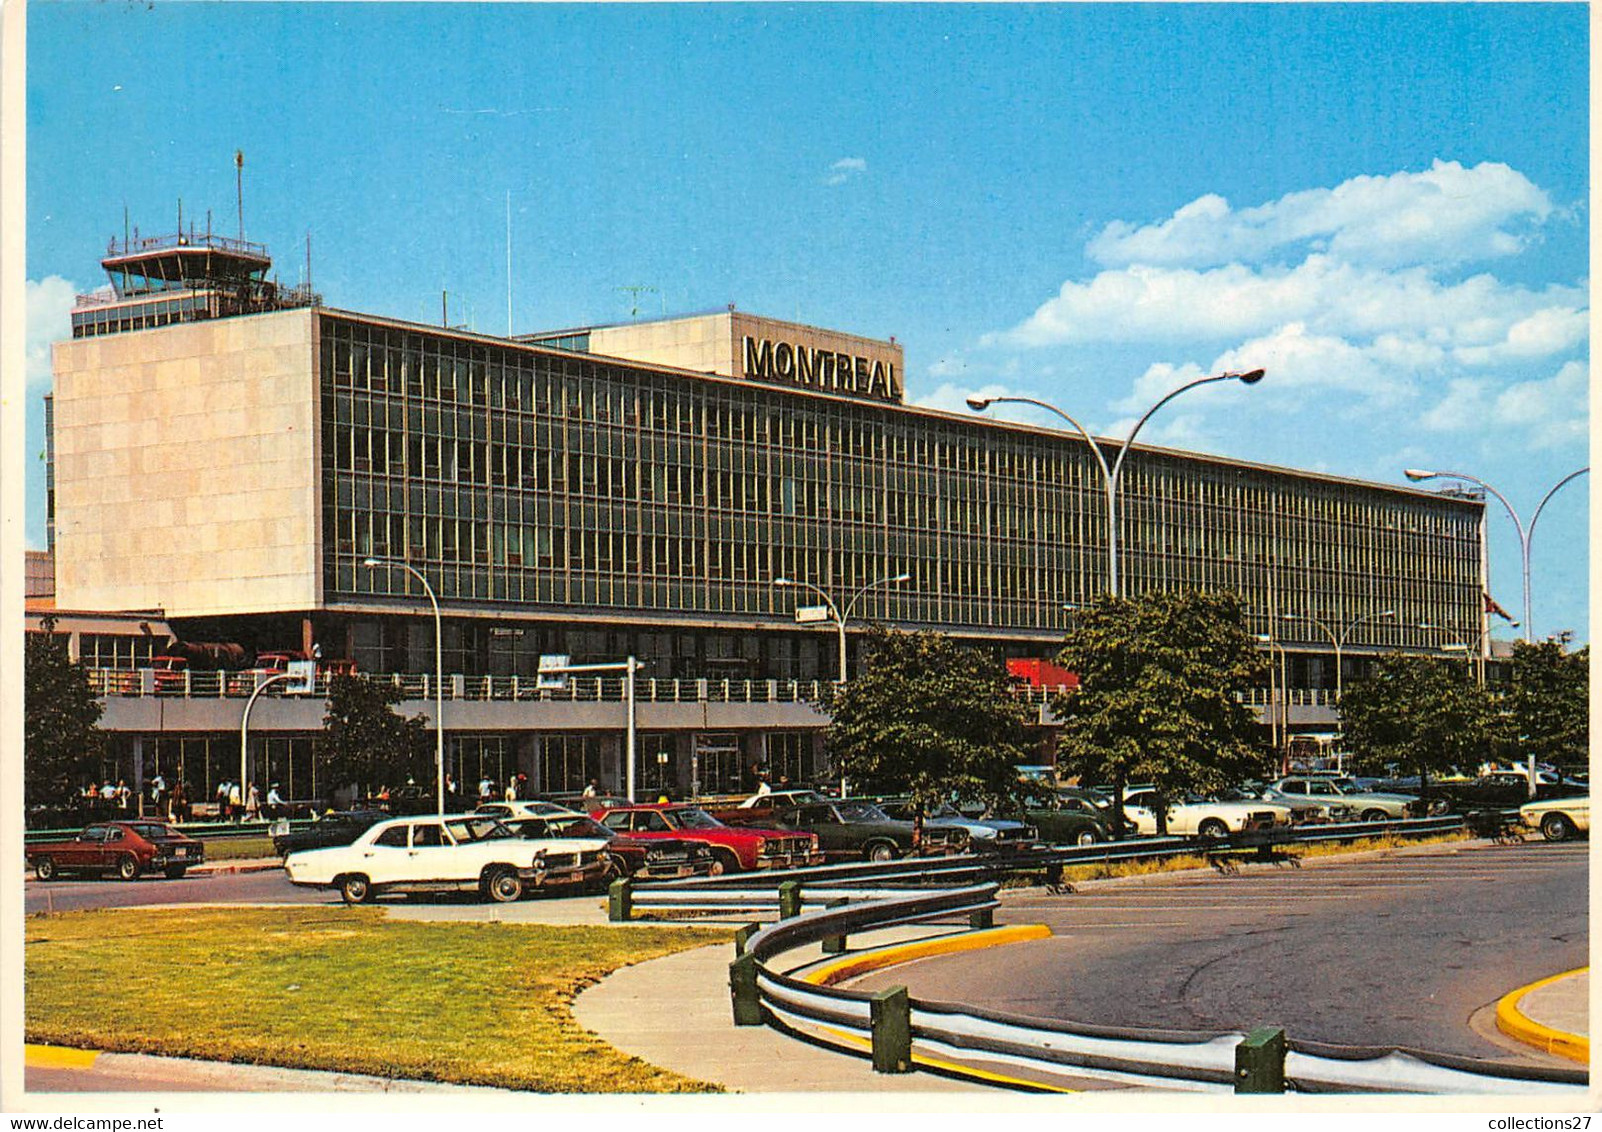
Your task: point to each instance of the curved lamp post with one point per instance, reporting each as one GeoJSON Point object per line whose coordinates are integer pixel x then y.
{"type": "Point", "coordinates": [439, 669]}
{"type": "Point", "coordinates": [1525, 533]}
{"type": "Point", "coordinates": [244, 732]}
{"type": "Point", "coordinates": [1112, 474]}
{"type": "Point", "coordinates": [839, 618]}
{"type": "Point", "coordinates": [1340, 641]}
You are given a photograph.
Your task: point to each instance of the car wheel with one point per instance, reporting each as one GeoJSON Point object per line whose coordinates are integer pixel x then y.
{"type": "Point", "coordinates": [1375, 815]}
{"type": "Point", "coordinates": [503, 886]}
{"type": "Point", "coordinates": [724, 861]}
{"type": "Point", "coordinates": [1556, 827]}
{"type": "Point", "coordinates": [44, 868]}
{"type": "Point", "coordinates": [355, 889]}
{"type": "Point", "coordinates": [1086, 837]}
{"type": "Point", "coordinates": [1213, 830]}
{"type": "Point", "coordinates": [175, 872]}
{"type": "Point", "coordinates": [127, 867]}
{"type": "Point", "coordinates": [879, 851]}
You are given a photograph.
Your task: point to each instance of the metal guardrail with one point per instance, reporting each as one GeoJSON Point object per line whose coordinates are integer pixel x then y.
{"type": "Point", "coordinates": [756, 892]}
{"type": "Point", "coordinates": [1035, 1054]}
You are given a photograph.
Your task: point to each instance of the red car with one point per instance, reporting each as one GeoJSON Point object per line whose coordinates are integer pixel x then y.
{"type": "Point", "coordinates": [732, 849]}
{"type": "Point", "coordinates": [127, 848]}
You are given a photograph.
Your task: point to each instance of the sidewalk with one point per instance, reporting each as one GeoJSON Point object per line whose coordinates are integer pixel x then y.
{"type": "Point", "coordinates": [1551, 1015]}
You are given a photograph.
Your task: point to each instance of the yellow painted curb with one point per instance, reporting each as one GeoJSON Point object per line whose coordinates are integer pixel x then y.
{"type": "Point", "coordinates": [58, 1057]}
{"type": "Point", "coordinates": [952, 1066]}
{"type": "Point", "coordinates": [852, 965]}
{"type": "Point", "coordinates": [1512, 1022]}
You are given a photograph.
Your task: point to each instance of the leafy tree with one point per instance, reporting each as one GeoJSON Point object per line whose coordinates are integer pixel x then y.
{"type": "Point", "coordinates": [63, 743]}
{"type": "Point", "coordinates": [1548, 703]}
{"type": "Point", "coordinates": [929, 718]}
{"type": "Point", "coordinates": [365, 741]}
{"type": "Point", "coordinates": [1420, 712]}
{"type": "Point", "coordinates": [1157, 697]}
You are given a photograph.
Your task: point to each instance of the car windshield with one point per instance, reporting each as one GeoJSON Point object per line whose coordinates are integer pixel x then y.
{"type": "Point", "coordinates": [693, 819]}
{"type": "Point", "coordinates": [861, 811]}
{"type": "Point", "coordinates": [477, 829]}
{"type": "Point", "coordinates": [578, 827]}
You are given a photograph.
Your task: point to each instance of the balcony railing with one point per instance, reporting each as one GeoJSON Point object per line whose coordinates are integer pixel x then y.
{"type": "Point", "coordinates": [414, 686]}
{"type": "Point", "coordinates": [579, 689]}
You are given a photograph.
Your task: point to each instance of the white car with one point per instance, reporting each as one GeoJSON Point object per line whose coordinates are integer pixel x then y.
{"type": "Point", "coordinates": [1558, 819]}
{"type": "Point", "coordinates": [505, 811]}
{"type": "Point", "coordinates": [461, 852]}
{"type": "Point", "coordinates": [1201, 817]}
{"type": "Point", "coordinates": [1366, 805]}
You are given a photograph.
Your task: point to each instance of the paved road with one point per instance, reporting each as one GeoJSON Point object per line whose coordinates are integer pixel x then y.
{"type": "Point", "coordinates": [1395, 950]}
{"type": "Point", "coordinates": [74, 894]}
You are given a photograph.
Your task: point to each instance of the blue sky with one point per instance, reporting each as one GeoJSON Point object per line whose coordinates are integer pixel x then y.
{"type": "Point", "coordinates": [1384, 205]}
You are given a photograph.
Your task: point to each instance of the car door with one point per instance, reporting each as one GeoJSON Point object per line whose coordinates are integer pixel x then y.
{"type": "Point", "coordinates": [83, 851]}
{"type": "Point", "coordinates": [386, 857]}
{"type": "Point", "coordinates": [112, 847]}
{"type": "Point", "coordinates": [1141, 809]}
{"type": "Point", "coordinates": [833, 836]}
{"type": "Point", "coordinates": [435, 855]}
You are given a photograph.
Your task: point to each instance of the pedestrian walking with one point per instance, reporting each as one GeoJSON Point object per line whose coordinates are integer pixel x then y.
{"type": "Point", "coordinates": [234, 801]}
{"type": "Point", "coordinates": [275, 803]}
{"type": "Point", "coordinates": [252, 803]}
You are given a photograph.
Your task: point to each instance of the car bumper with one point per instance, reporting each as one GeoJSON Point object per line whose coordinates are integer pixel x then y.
{"type": "Point", "coordinates": [789, 860]}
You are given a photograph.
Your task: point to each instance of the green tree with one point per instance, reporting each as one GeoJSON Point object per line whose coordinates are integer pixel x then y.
{"type": "Point", "coordinates": [63, 742]}
{"type": "Point", "coordinates": [1158, 697]}
{"type": "Point", "coordinates": [1418, 712]}
{"type": "Point", "coordinates": [928, 718]}
{"type": "Point", "coordinates": [1548, 703]}
{"type": "Point", "coordinates": [367, 743]}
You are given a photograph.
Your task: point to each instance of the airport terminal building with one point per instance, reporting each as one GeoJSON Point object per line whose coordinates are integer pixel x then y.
{"type": "Point", "coordinates": [230, 455]}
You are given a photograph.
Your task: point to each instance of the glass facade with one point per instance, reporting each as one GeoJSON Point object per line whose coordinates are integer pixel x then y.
{"type": "Point", "coordinates": [534, 483]}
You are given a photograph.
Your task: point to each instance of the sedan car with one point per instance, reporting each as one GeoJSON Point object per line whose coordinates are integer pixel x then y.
{"type": "Point", "coordinates": [628, 856]}
{"type": "Point", "coordinates": [985, 834]}
{"type": "Point", "coordinates": [337, 827]}
{"type": "Point", "coordinates": [1195, 816]}
{"type": "Point", "coordinates": [853, 830]}
{"type": "Point", "coordinates": [1558, 819]}
{"type": "Point", "coordinates": [124, 848]}
{"type": "Point", "coordinates": [733, 848]}
{"type": "Point", "coordinates": [1067, 817]}
{"type": "Point", "coordinates": [463, 852]}
{"type": "Point", "coordinates": [1369, 805]}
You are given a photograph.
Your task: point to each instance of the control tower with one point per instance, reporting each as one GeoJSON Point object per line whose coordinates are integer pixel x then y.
{"type": "Point", "coordinates": [158, 280]}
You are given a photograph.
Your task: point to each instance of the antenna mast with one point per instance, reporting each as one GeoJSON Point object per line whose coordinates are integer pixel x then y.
{"type": "Point", "coordinates": [634, 292]}
{"type": "Point", "coordinates": [508, 263]}
{"type": "Point", "coordinates": [239, 189]}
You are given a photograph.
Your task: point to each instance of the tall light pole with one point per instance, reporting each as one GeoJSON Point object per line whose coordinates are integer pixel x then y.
{"type": "Point", "coordinates": [1525, 533]}
{"type": "Point", "coordinates": [439, 668]}
{"type": "Point", "coordinates": [1340, 641]}
{"type": "Point", "coordinates": [1111, 475]}
{"type": "Point", "coordinates": [835, 615]}
{"type": "Point", "coordinates": [244, 731]}
{"type": "Point", "coordinates": [1278, 698]}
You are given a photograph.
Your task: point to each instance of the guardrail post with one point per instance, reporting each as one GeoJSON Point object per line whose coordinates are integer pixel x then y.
{"type": "Point", "coordinates": [789, 899]}
{"type": "Point", "coordinates": [742, 936]}
{"type": "Point", "coordinates": [743, 991]}
{"type": "Point", "coordinates": [982, 918]}
{"type": "Point", "coordinates": [1260, 1061]}
{"type": "Point", "coordinates": [835, 944]}
{"type": "Point", "coordinates": [891, 1014]}
{"type": "Point", "coordinates": [620, 900]}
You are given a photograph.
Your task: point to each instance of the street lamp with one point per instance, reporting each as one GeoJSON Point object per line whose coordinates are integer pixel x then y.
{"type": "Point", "coordinates": [1278, 698]}
{"type": "Point", "coordinates": [1525, 533]}
{"type": "Point", "coordinates": [439, 668]}
{"type": "Point", "coordinates": [1340, 641]}
{"type": "Point", "coordinates": [244, 730]}
{"type": "Point", "coordinates": [1112, 474]}
{"type": "Point", "coordinates": [839, 618]}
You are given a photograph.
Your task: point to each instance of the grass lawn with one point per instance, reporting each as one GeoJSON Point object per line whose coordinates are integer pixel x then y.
{"type": "Point", "coordinates": [238, 848]}
{"type": "Point", "coordinates": [342, 989]}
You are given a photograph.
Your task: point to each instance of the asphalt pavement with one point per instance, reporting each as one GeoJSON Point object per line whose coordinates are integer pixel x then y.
{"type": "Point", "coordinates": [674, 1012]}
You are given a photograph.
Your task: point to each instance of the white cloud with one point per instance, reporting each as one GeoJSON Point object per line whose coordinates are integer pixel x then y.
{"type": "Point", "coordinates": [1161, 304]}
{"type": "Point", "coordinates": [1449, 214]}
{"type": "Point", "coordinates": [49, 309]}
{"type": "Point", "coordinates": [1547, 332]}
{"type": "Point", "coordinates": [1547, 412]}
{"type": "Point", "coordinates": [844, 169]}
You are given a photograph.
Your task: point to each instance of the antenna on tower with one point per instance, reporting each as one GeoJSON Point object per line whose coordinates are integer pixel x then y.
{"type": "Point", "coordinates": [239, 189]}
{"type": "Point", "coordinates": [634, 291]}
{"type": "Point", "coordinates": [508, 263]}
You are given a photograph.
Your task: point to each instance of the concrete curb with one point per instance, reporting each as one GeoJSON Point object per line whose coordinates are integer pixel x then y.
{"type": "Point", "coordinates": [1516, 1024]}
{"type": "Point", "coordinates": [860, 964]}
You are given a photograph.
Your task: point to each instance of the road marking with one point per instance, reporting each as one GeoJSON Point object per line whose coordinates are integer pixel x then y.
{"type": "Point", "coordinates": [58, 1057]}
